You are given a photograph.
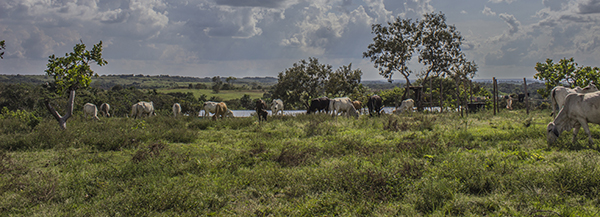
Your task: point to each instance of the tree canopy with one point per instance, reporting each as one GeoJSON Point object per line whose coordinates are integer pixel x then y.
{"type": "Point", "coordinates": [2, 48]}
{"type": "Point", "coordinates": [310, 79]}
{"type": "Point", "coordinates": [71, 73]}
{"type": "Point", "coordinates": [567, 72]}
{"type": "Point", "coordinates": [437, 43]}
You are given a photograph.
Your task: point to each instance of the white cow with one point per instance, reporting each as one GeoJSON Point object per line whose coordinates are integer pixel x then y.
{"type": "Point", "coordinates": [90, 109]}
{"type": "Point", "coordinates": [142, 108]}
{"type": "Point", "coordinates": [176, 110]}
{"type": "Point", "coordinates": [406, 105]}
{"type": "Point", "coordinates": [209, 107]}
{"type": "Point", "coordinates": [579, 110]}
{"type": "Point", "coordinates": [276, 106]}
{"type": "Point", "coordinates": [559, 93]}
{"type": "Point", "coordinates": [104, 109]}
{"type": "Point", "coordinates": [342, 105]}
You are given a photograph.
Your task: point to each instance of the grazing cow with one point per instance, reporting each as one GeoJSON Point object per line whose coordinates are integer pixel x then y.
{"type": "Point", "coordinates": [509, 101]}
{"type": "Point", "coordinates": [559, 93]}
{"type": "Point", "coordinates": [176, 110]}
{"type": "Point", "coordinates": [342, 105]}
{"type": "Point", "coordinates": [104, 109]}
{"type": "Point", "coordinates": [90, 109]}
{"type": "Point", "coordinates": [222, 111]}
{"type": "Point", "coordinates": [276, 107]}
{"type": "Point", "coordinates": [374, 105]}
{"type": "Point", "coordinates": [142, 108]}
{"type": "Point", "coordinates": [261, 110]}
{"type": "Point", "coordinates": [319, 104]}
{"type": "Point", "coordinates": [407, 105]}
{"type": "Point", "coordinates": [357, 105]}
{"type": "Point", "coordinates": [209, 107]}
{"type": "Point", "coordinates": [579, 110]}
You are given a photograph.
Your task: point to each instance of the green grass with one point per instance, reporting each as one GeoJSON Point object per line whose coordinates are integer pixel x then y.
{"type": "Point", "coordinates": [224, 94]}
{"type": "Point", "coordinates": [309, 165]}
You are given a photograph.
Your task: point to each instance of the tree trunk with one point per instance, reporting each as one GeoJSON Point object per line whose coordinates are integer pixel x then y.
{"type": "Point", "coordinates": [62, 120]}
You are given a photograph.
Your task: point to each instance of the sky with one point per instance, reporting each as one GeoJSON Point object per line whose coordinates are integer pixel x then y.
{"type": "Point", "coordinates": [258, 38]}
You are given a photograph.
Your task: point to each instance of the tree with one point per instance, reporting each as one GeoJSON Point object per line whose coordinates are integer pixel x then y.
{"type": "Point", "coordinates": [565, 72]}
{"type": "Point", "coordinates": [218, 83]}
{"type": "Point", "coordinates": [393, 47]}
{"type": "Point", "coordinates": [2, 47]}
{"type": "Point", "coordinates": [70, 73]}
{"type": "Point", "coordinates": [344, 82]}
{"type": "Point", "coordinates": [439, 47]}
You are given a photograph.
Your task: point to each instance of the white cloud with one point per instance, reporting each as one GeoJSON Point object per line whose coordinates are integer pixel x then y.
{"type": "Point", "coordinates": [488, 11]}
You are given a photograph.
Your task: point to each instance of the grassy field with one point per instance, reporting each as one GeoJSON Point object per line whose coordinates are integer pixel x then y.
{"type": "Point", "coordinates": [309, 165]}
{"type": "Point", "coordinates": [224, 94]}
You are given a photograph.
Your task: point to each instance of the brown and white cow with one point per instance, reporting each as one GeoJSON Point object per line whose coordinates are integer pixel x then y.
{"type": "Point", "coordinates": [176, 109]}
{"type": "Point", "coordinates": [357, 105]}
{"type": "Point", "coordinates": [221, 111]}
{"type": "Point", "coordinates": [104, 109]}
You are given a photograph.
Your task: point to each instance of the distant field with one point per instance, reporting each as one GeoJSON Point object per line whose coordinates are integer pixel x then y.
{"type": "Point", "coordinates": [225, 94]}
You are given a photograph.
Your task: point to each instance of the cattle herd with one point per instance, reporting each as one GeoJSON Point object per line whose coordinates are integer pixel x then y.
{"type": "Point", "coordinates": [336, 106]}
{"type": "Point", "coordinates": [576, 108]}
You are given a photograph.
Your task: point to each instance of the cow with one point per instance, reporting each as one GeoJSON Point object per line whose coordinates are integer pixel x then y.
{"type": "Point", "coordinates": [559, 93]}
{"type": "Point", "coordinates": [104, 109]}
{"type": "Point", "coordinates": [579, 109]}
{"type": "Point", "coordinates": [261, 110]}
{"type": "Point", "coordinates": [342, 105]}
{"type": "Point", "coordinates": [407, 105]}
{"type": "Point", "coordinates": [142, 108]}
{"type": "Point", "coordinates": [90, 109]}
{"type": "Point", "coordinates": [509, 101]}
{"type": "Point", "coordinates": [318, 104]}
{"type": "Point", "coordinates": [374, 105]}
{"type": "Point", "coordinates": [357, 105]}
{"type": "Point", "coordinates": [209, 107]}
{"type": "Point", "coordinates": [276, 107]}
{"type": "Point", "coordinates": [221, 111]}
{"type": "Point", "coordinates": [176, 109]}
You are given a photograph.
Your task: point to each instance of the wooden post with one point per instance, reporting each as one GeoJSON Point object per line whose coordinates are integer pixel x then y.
{"type": "Point", "coordinates": [526, 97]}
{"type": "Point", "coordinates": [494, 93]}
{"type": "Point", "coordinates": [442, 95]}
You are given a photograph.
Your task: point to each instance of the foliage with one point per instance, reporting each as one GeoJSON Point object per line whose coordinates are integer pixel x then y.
{"type": "Point", "coordinates": [310, 79]}
{"type": "Point", "coordinates": [2, 48]}
{"type": "Point", "coordinates": [566, 71]}
{"type": "Point", "coordinates": [28, 118]}
{"type": "Point", "coordinates": [393, 46]}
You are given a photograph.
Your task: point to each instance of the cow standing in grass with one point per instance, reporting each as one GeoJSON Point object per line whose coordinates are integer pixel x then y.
{"type": "Point", "coordinates": [90, 109]}
{"type": "Point", "coordinates": [221, 111]}
{"type": "Point", "coordinates": [261, 110]}
{"type": "Point", "coordinates": [319, 104]}
{"type": "Point", "coordinates": [579, 110]}
{"type": "Point", "coordinates": [277, 106]}
{"type": "Point", "coordinates": [559, 94]}
{"type": "Point", "coordinates": [209, 107]}
{"type": "Point", "coordinates": [342, 105]}
{"type": "Point", "coordinates": [104, 109]}
{"type": "Point", "coordinates": [176, 109]}
{"type": "Point", "coordinates": [374, 105]}
{"type": "Point", "coordinates": [407, 105]}
{"type": "Point", "coordinates": [142, 108]}
{"type": "Point", "coordinates": [357, 105]}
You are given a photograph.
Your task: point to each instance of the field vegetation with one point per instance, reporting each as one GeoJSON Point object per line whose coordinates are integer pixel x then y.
{"type": "Point", "coordinates": [308, 165]}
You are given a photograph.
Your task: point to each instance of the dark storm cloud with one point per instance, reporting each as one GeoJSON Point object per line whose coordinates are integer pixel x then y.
{"type": "Point", "coordinates": [589, 6]}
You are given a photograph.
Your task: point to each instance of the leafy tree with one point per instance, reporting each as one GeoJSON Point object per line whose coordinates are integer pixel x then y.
{"type": "Point", "coordinates": [2, 47]}
{"type": "Point", "coordinates": [300, 83]}
{"type": "Point", "coordinates": [218, 84]}
{"type": "Point", "coordinates": [246, 102]}
{"type": "Point", "coordinates": [393, 47]}
{"type": "Point", "coordinates": [310, 79]}
{"type": "Point", "coordinates": [70, 73]}
{"type": "Point", "coordinates": [566, 72]}
{"type": "Point", "coordinates": [439, 47]}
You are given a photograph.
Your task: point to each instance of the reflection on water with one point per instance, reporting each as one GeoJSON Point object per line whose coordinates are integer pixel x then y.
{"type": "Point", "coordinates": [248, 113]}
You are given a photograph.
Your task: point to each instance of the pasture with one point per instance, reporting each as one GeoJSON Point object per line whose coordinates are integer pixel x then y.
{"type": "Point", "coordinates": [308, 165]}
{"type": "Point", "coordinates": [223, 94]}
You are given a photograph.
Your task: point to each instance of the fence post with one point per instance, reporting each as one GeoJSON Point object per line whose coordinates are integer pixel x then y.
{"type": "Point", "coordinates": [494, 103]}
{"type": "Point", "coordinates": [526, 95]}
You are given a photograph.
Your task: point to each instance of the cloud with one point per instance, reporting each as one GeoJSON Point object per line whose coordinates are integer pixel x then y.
{"type": "Point", "coordinates": [588, 6]}
{"type": "Point", "coordinates": [512, 22]}
{"type": "Point", "coordinates": [500, 1]}
{"type": "Point", "coordinates": [488, 11]}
